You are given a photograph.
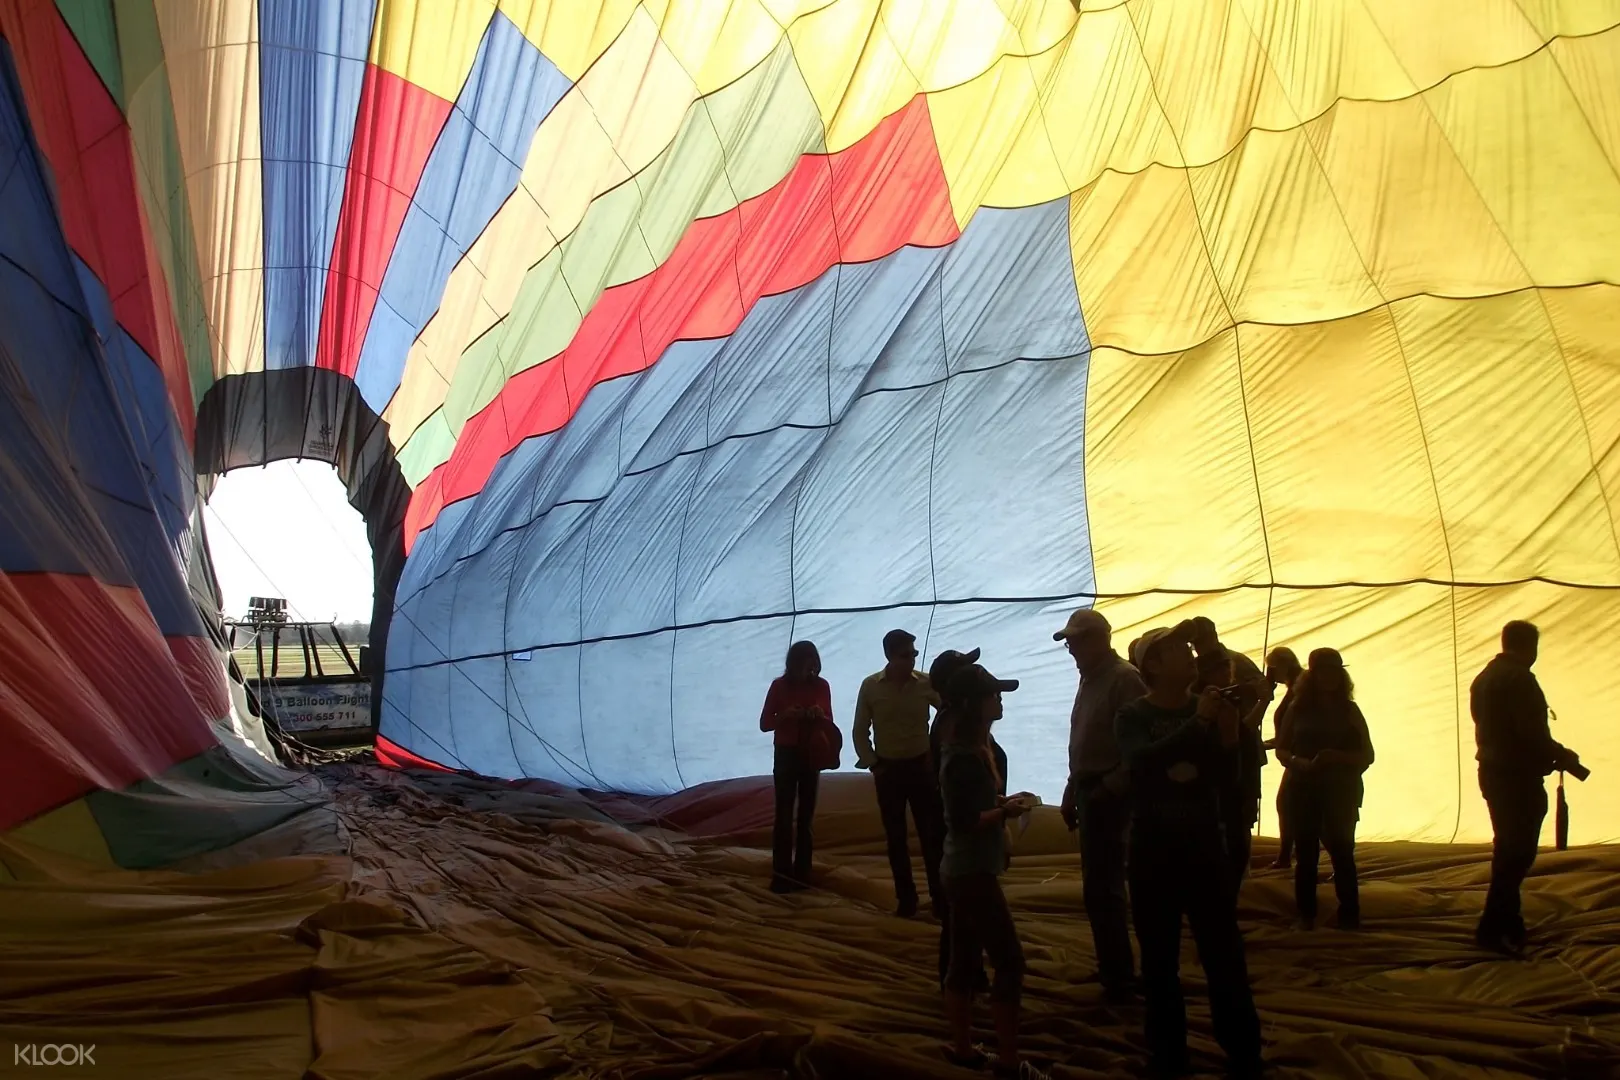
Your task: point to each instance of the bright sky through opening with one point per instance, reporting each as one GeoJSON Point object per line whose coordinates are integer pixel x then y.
{"type": "Point", "coordinates": [288, 530]}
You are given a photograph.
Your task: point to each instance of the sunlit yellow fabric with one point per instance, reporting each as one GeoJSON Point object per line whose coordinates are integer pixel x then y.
{"type": "Point", "coordinates": [429, 43]}
{"type": "Point", "coordinates": [1350, 270]}
{"type": "Point", "coordinates": [211, 53]}
{"type": "Point", "coordinates": [570, 34]}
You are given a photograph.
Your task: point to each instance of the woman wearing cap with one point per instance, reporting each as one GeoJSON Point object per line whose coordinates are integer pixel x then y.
{"type": "Point", "coordinates": [796, 702]}
{"type": "Point", "coordinates": [975, 856]}
{"type": "Point", "coordinates": [945, 665]}
{"type": "Point", "coordinates": [1325, 746]}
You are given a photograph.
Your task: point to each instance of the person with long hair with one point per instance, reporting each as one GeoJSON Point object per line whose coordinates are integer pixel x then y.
{"type": "Point", "coordinates": [1325, 746]}
{"type": "Point", "coordinates": [946, 665]}
{"type": "Point", "coordinates": [1283, 669]}
{"type": "Point", "coordinates": [975, 855]}
{"type": "Point", "coordinates": [796, 701]}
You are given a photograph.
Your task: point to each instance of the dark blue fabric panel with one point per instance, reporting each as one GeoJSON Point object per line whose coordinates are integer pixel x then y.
{"type": "Point", "coordinates": [312, 64]}
{"type": "Point", "coordinates": [474, 167]}
{"type": "Point", "coordinates": [75, 479]}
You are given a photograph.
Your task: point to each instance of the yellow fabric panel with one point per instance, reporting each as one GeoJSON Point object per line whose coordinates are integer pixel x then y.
{"type": "Point", "coordinates": [1397, 644]}
{"type": "Point", "coordinates": [1212, 78]}
{"type": "Point", "coordinates": [1581, 684]}
{"type": "Point", "coordinates": [212, 57]}
{"type": "Point", "coordinates": [1276, 236]}
{"type": "Point", "coordinates": [1477, 34]}
{"type": "Point", "coordinates": [1325, 51]}
{"type": "Point", "coordinates": [570, 34]}
{"type": "Point", "coordinates": [430, 43]}
{"type": "Point", "coordinates": [978, 124]}
{"type": "Point", "coordinates": [1343, 475]}
{"type": "Point", "coordinates": [1145, 281]}
{"type": "Point", "coordinates": [1587, 325]}
{"type": "Point", "coordinates": [1422, 227]}
{"type": "Point", "coordinates": [1039, 23]}
{"type": "Point", "coordinates": [1097, 112]}
{"type": "Point", "coordinates": [639, 94]}
{"type": "Point", "coordinates": [1170, 488]}
{"type": "Point", "coordinates": [1509, 449]}
{"type": "Point", "coordinates": [852, 68]}
{"type": "Point", "coordinates": [718, 43]}
{"type": "Point", "coordinates": [1413, 656]}
{"type": "Point", "coordinates": [68, 830]}
{"type": "Point", "coordinates": [1520, 133]}
{"type": "Point", "coordinates": [1551, 17]}
{"type": "Point", "coordinates": [1591, 67]}
{"type": "Point", "coordinates": [946, 44]}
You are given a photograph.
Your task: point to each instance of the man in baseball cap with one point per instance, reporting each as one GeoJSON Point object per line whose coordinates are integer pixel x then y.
{"type": "Point", "coordinates": [1094, 800]}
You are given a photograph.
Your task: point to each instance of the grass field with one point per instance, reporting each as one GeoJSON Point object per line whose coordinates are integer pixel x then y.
{"type": "Point", "coordinates": [290, 664]}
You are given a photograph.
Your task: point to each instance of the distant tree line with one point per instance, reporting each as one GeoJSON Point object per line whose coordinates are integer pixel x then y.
{"type": "Point", "coordinates": [355, 631]}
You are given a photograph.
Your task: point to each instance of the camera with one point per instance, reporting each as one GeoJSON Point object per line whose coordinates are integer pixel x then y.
{"type": "Point", "coordinates": [1232, 695]}
{"type": "Point", "coordinates": [1578, 771]}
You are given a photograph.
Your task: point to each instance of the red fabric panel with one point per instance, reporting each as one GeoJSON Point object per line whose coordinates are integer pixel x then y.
{"type": "Point", "coordinates": [90, 694]}
{"type": "Point", "coordinates": [203, 672]}
{"type": "Point", "coordinates": [395, 756]}
{"type": "Point", "coordinates": [83, 136]}
{"type": "Point", "coordinates": [394, 132]}
{"type": "Point", "coordinates": [885, 192]}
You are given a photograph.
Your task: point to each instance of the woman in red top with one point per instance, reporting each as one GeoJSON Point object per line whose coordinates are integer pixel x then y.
{"type": "Point", "coordinates": [797, 701]}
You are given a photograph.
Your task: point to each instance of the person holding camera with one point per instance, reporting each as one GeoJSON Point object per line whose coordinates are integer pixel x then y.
{"type": "Point", "coordinates": [1240, 802]}
{"type": "Point", "coordinates": [1326, 747]}
{"type": "Point", "coordinates": [1516, 751]}
{"type": "Point", "coordinates": [1180, 750]}
{"type": "Point", "coordinates": [975, 857]}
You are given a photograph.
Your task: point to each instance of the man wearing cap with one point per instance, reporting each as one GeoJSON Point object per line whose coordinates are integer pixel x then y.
{"type": "Point", "coordinates": [1094, 800]}
{"type": "Point", "coordinates": [891, 739]}
{"type": "Point", "coordinates": [1178, 748]}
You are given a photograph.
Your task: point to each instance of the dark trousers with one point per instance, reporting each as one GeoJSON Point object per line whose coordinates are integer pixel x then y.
{"type": "Point", "coordinates": [981, 924]}
{"type": "Point", "coordinates": [1285, 820]}
{"type": "Point", "coordinates": [1325, 817]}
{"type": "Point", "coordinates": [1518, 805]}
{"type": "Point", "coordinates": [793, 835]}
{"type": "Point", "coordinates": [1176, 871]}
{"type": "Point", "coordinates": [1240, 837]}
{"type": "Point", "coordinates": [1104, 833]}
{"type": "Point", "coordinates": [910, 782]}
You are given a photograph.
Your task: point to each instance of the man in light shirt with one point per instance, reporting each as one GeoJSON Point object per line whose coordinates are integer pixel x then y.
{"type": "Point", "coordinates": [891, 739]}
{"type": "Point", "coordinates": [1094, 802]}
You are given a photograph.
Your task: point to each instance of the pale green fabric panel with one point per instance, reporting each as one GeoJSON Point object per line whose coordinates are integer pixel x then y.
{"type": "Point", "coordinates": [767, 121]}
{"type": "Point", "coordinates": [428, 447]}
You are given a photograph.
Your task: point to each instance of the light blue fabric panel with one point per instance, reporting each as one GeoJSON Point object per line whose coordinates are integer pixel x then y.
{"type": "Point", "coordinates": [898, 444]}
{"type": "Point", "coordinates": [1008, 510]}
{"type": "Point", "coordinates": [312, 65]}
